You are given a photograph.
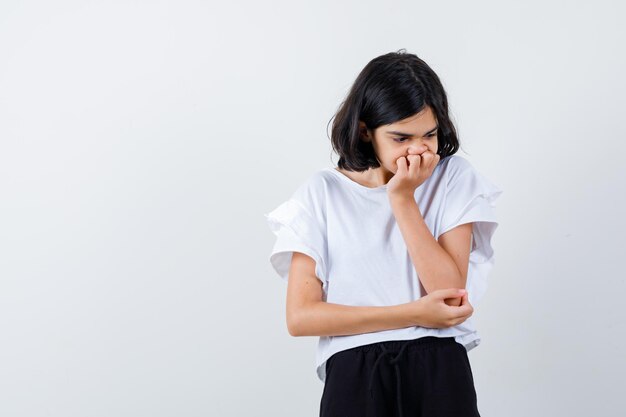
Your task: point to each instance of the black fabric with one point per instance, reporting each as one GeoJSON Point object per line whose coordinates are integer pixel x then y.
{"type": "Point", "coordinates": [425, 377]}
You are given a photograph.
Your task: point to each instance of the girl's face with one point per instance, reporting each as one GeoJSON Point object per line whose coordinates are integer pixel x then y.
{"type": "Point", "coordinates": [410, 136]}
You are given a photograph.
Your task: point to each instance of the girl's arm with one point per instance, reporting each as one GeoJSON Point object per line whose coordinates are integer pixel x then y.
{"type": "Point", "coordinates": [309, 315]}
{"type": "Point", "coordinates": [435, 266]}
{"type": "Point", "coordinates": [328, 319]}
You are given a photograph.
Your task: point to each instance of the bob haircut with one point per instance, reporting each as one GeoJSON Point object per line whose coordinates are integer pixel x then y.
{"type": "Point", "coordinates": [390, 88]}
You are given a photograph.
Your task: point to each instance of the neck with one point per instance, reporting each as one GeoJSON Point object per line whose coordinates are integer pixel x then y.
{"type": "Point", "coordinates": [378, 176]}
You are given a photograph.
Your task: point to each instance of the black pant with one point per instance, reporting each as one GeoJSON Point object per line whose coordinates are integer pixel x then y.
{"type": "Point", "coordinates": [425, 377]}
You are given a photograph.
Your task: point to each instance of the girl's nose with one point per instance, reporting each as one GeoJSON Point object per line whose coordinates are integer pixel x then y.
{"type": "Point", "coordinates": [413, 150]}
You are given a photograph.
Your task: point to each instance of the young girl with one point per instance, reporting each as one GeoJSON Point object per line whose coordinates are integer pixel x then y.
{"type": "Point", "coordinates": [387, 254]}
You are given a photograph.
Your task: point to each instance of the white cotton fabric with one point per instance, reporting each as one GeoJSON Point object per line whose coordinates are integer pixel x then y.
{"type": "Point", "coordinates": [361, 257]}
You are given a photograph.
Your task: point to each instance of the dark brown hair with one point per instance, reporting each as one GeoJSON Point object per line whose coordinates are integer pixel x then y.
{"type": "Point", "coordinates": [390, 88]}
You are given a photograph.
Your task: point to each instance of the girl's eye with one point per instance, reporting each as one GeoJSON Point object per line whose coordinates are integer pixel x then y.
{"type": "Point", "coordinates": [403, 139]}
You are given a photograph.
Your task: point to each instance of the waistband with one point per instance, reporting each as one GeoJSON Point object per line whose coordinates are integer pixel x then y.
{"type": "Point", "coordinates": [398, 344]}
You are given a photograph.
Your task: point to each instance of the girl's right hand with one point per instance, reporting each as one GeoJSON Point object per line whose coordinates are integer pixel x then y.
{"type": "Point", "coordinates": [432, 311]}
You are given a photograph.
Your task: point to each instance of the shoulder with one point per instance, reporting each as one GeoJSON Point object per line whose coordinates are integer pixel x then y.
{"type": "Point", "coordinates": [313, 191]}
{"type": "Point", "coordinates": [462, 178]}
{"type": "Point", "coordinates": [305, 208]}
{"type": "Point", "coordinates": [314, 185]}
{"type": "Point", "coordinates": [458, 170]}
{"type": "Point", "coordinates": [455, 165]}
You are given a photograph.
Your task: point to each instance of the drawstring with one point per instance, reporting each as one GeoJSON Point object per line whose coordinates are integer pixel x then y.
{"type": "Point", "coordinates": [394, 361]}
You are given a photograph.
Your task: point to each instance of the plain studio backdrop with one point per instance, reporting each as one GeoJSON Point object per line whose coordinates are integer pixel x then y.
{"type": "Point", "coordinates": [141, 143]}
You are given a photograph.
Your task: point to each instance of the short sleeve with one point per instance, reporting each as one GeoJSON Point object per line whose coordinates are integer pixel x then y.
{"type": "Point", "coordinates": [470, 198]}
{"type": "Point", "coordinates": [297, 230]}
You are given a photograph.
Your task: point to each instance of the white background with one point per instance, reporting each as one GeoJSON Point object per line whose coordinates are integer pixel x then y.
{"type": "Point", "coordinates": [142, 141]}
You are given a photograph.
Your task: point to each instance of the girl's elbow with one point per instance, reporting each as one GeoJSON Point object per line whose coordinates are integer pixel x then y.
{"type": "Point", "coordinates": [294, 326]}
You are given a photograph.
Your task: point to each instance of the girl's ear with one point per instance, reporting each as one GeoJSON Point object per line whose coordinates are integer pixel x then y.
{"type": "Point", "coordinates": [364, 133]}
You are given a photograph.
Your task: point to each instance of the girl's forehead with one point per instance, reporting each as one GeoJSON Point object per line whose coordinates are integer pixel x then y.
{"type": "Point", "coordinates": [412, 126]}
{"type": "Point", "coordinates": [425, 116]}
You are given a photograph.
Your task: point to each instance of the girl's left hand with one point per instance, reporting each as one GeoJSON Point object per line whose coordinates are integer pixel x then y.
{"type": "Point", "coordinates": [408, 178]}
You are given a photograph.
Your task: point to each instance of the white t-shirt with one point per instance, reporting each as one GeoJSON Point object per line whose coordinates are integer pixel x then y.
{"type": "Point", "coordinates": [361, 257]}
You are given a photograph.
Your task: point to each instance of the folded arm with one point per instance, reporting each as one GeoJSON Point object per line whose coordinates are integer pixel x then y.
{"type": "Point", "coordinates": [439, 263]}
{"type": "Point", "coordinates": [308, 315]}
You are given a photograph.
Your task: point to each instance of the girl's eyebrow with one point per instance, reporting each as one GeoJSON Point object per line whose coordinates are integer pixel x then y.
{"type": "Point", "coordinates": [393, 132]}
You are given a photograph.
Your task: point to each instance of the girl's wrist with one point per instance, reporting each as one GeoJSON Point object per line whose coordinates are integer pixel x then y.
{"type": "Point", "coordinates": [399, 195]}
{"type": "Point", "coordinates": [409, 314]}
{"type": "Point", "coordinates": [400, 198]}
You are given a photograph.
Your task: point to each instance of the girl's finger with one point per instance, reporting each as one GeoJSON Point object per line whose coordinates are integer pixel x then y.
{"type": "Point", "coordinates": [429, 160]}
{"type": "Point", "coordinates": [463, 311]}
{"type": "Point", "coordinates": [415, 163]}
{"type": "Point", "coordinates": [464, 299]}
{"type": "Point", "coordinates": [401, 162]}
